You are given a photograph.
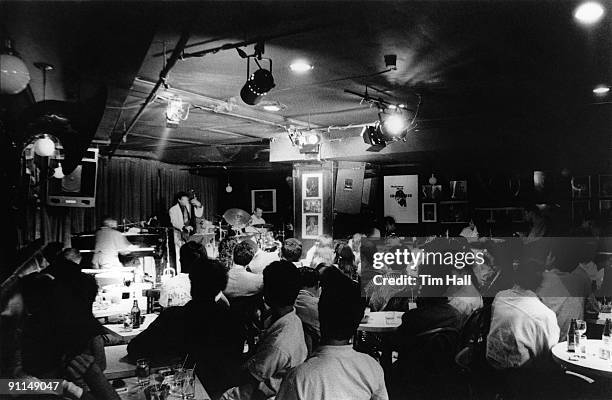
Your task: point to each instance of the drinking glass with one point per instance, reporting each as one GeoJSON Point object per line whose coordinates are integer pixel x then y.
{"type": "Point", "coordinates": [176, 385]}
{"type": "Point", "coordinates": [127, 322]}
{"type": "Point", "coordinates": [389, 318]}
{"type": "Point", "coordinates": [583, 346]}
{"type": "Point", "coordinates": [188, 390]}
{"type": "Point", "coordinates": [581, 326]}
{"type": "Point", "coordinates": [143, 370]}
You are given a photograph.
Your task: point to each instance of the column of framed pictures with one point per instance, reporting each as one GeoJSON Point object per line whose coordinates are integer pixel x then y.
{"type": "Point", "coordinates": [438, 205]}
{"type": "Point", "coordinates": [605, 197]}
{"type": "Point", "coordinates": [312, 205]}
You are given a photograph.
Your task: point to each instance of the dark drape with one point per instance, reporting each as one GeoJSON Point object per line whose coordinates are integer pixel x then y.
{"type": "Point", "coordinates": [127, 188]}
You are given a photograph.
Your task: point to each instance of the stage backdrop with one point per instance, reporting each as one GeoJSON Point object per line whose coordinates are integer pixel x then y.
{"type": "Point", "coordinates": [401, 198]}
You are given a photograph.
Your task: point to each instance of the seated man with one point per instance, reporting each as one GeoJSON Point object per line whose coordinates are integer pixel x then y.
{"type": "Point", "coordinates": [292, 251]}
{"type": "Point", "coordinates": [522, 329]}
{"type": "Point", "coordinates": [306, 306]}
{"type": "Point", "coordinates": [201, 328]}
{"type": "Point", "coordinates": [242, 283]}
{"type": "Point", "coordinates": [324, 241]}
{"type": "Point", "coordinates": [109, 244]}
{"type": "Point", "coordinates": [176, 290]}
{"type": "Point", "coordinates": [335, 370]}
{"type": "Point", "coordinates": [281, 346]}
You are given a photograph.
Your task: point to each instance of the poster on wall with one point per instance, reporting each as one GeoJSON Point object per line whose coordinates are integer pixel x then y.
{"type": "Point", "coordinates": [312, 205]}
{"type": "Point", "coordinates": [401, 198]}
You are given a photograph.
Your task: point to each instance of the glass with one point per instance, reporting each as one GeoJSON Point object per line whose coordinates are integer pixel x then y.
{"type": "Point", "coordinates": [582, 346]}
{"type": "Point", "coordinates": [188, 390]}
{"type": "Point", "coordinates": [127, 322]}
{"type": "Point", "coordinates": [390, 318]}
{"type": "Point", "coordinates": [143, 370]}
{"type": "Point", "coordinates": [176, 384]}
{"type": "Point", "coordinates": [581, 326]}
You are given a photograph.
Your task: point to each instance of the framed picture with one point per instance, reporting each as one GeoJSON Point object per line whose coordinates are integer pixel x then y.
{"type": "Point", "coordinates": [579, 209]}
{"type": "Point", "coordinates": [348, 184]}
{"type": "Point", "coordinates": [312, 206]}
{"type": "Point", "coordinates": [264, 199]}
{"type": "Point", "coordinates": [454, 212]}
{"type": "Point", "coordinates": [311, 185]}
{"type": "Point", "coordinates": [429, 212]}
{"type": "Point", "coordinates": [458, 190]}
{"type": "Point", "coordinates": [581, 187]}
{"type": "Point", "coordinates": [312, 226]}
{"type": "Point", "coordinates": [605, 209]}
{"type": "Point", "coordinates": [401, 199]}
{"type": "Point", "coordinates": [431, 192]}
{"type": "Point", "coordinates": [605, 185]}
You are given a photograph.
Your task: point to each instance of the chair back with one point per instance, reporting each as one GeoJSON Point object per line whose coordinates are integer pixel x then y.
{"type": "Point", "coordinates": [438, 349]}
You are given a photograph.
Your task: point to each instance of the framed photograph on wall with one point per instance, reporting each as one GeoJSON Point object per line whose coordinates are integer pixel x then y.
{"type": "Point", "coordinates": [312, 206]}
{"type": "Point", "coordinates": [581, 187]}
{"type": "Point", "coordinates": [264, 199]}
{"type": "Point", "coordinates": [431, 192]}
{"type": "Point", "coordinates": [454, 212]}
{"type": "Point", "coordinates": [458, 190]}
{"type": "Point", "coordinates": [605, 185]}
{"type": "Point", "coordinates": [311, 185]}
{"type": "Point", "coordinates": [429, 212]}
{"type": "Point", "coordinates": [312, 226]}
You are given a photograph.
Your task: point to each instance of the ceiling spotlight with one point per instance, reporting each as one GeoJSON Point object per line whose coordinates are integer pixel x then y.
{"type": "Point", "coordinates": [259, 83]}
{"type": "Point", "coordinates": [300, 66]}
{"type": "Point", "coordinates": [272, 107]}
{"type": "Point", "coordinates": [589, 13]}
{"type": "Point", "coordinates": [44, 147]}
{"type": "Point", "coordinates": [14, 74]}
{"type": "Point", "coordinates": [601, 89]}
{"type": "Point", "coordinates": [392, 106]}
{"type": "Point", "coordinates": [372, 135]}
{"type": "Point", "coordinates": [393, 125]}
{"type": "Point", "coordinates": [310, 138]}
{"type": "Point", "coordinates": [391, 61]}
{"type": "Point", "coordinates": [176, 111]}
{"type": "Point", "coordinates": [402, 106]}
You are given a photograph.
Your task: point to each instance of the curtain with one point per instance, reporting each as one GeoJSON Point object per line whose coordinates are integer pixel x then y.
{"type": "Point", "coordinates": [127, 189]}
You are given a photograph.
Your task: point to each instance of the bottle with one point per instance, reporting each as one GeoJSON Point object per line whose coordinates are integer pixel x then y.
{"type": "Point", "coordinates": [135, 314]}
{"type": "Point", "coordinates": [571, 337]}
{"type": "Point", "coordinates": [606, 338]}
{"type": "Point", "coordinates": [169, 301]}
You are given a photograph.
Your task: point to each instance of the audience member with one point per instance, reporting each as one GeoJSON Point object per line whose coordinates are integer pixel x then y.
{"type": "Point", "coordinates": [176, 291]}
{"type": "Point", "coordinates": [345, 260]}
{"type": "Point", "coordinates": [201, 328]}
{"type": "Point", "coordinates": [522, 329]}
{"type": "Point", "coordinates": [292, 251]}
{"type": "Point", "coordinates": [335, 370]}
{"type": "Point", "coordinates": [226, 251]}
{"type": "Point", "coordinates": [306, 306]}
{"type": "Point", "coordinates": [324, 241]}
{"type": "Point", "coordinates": [281, 346]}
{"type": "Point", "coordinates": [242, 283]}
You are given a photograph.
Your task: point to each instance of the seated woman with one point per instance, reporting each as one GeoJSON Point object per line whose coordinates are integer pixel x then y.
{"type": "Point", "coordinates": [345, 260]}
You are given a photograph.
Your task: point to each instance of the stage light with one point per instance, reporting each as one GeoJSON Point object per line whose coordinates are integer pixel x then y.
{"type": "Point", "coordinates": [300, 66]}
{"type": "Point", "coordinates": [44, 147]}
{"type": "Point", "coordinates": [393, 125]}
{"type": "Point", "coordinates": [372, 135]}
{"type": "Point", "coordinates": [176, 111]}
{"type": "Point", "coordinates": [272, 107]}
{"type": "Point", "coordinates": [259, 84]}
{"type": "Point", "coordinates": [14, 74]}
{"type": "Point", "coordinates": [310, 138]}
{"type": "Point", "coordinates": [589, 13]}
{"type": "Point", "coordinates": [601, 89]}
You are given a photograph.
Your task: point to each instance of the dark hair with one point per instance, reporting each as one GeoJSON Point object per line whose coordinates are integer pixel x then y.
{"type": "Point", "coordinates": [341, 308]}
{"type": "Point", "coordinates": [52, 250]}
{"type": "Point", "coordinates": [431, 292]}
{"type": "Point", "coordinates": [71, 254]}
{"type": "Point", "coordinates": [528, 275]}
{"type": "Point", "coordinates": [180, 195]}
{"type": "Point", "coordinates": [308, 277]}
{"type": "Point", "coordinates": [243, 253]}
{"type": "Point", "coordinates": [291, 250]}
{"type": "Point", "coordinates": [189, 253]}
{"type": "Point", "coordinates": [208, 278]}
{"type": "Point", "coordinates": [281, 283]}
{"type": "Point", "coordinates": [226, 250]}
{"type": "Point", "coordinates": [389, 220]}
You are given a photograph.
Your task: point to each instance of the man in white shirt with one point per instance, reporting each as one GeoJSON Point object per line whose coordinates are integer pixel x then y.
{"type": "Point", "coordinates": [522, 329]}
{"type": "Point", "coordinates": [281, 346]}
{"type": "Point", "coordinates": [335, 371]}
{"type": "Point", "coordinates": [470, 232]}
{"type": "Point", "coordinates": [182, 218]}
{"type": "Point", "coordinates": [242, 283]}
{"type": "Point", "coordinates": [109, 244]}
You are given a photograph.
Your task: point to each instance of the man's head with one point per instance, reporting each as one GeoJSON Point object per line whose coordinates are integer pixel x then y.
{"type": "Point", "coordinates": [109, 222]}
{"type": "Point", "coordinates": [325, 241]}
{"type": "Point", "coordinates": [208, 278]}
{"type": "Point", "coordinates": [528, 275]}
{"type": "Point", "coordinates": [183, 199]}
{"type": "Point", "coordinates": [291, 250]}
{"type": "Point", "coordinates": [340, 308]}
{"type": "Point", "coordinates": [51, 251]}
{"type": "Point", "coordinates": [189, 253]}
{"type": "Point", "coordinates": [71, 254]}
{"type": "Point", "coordinates": [389, 224]}
{"type": "Point", "coordinates": [244, 253]}
{"type": "Point", "coordinates": [258, 212]}
{"type": "Point", "coordinates": [281, 284]}
{"type": "Point", "coordinates": [309, 279]}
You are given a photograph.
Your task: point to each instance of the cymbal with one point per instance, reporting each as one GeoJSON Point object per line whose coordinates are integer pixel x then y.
{"type": "Point", "coordinates": [236, 217]}
{"type": "Point", "coordinates": [268, 226]}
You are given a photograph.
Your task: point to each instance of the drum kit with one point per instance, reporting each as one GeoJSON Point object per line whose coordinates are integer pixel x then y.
{"type": "Point", "coordinates": [237, 220]}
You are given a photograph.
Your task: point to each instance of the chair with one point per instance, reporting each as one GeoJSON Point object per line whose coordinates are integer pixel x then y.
{"type": "Point", "coordinates": [246, 310]}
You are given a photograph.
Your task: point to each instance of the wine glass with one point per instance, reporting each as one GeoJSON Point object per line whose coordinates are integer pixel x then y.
{"type": "Point", "coordinates": [143, 371]}
{"type": "Point", "coordinates": [188, 389]}
{"type": "Point", "coordinates": [581, 326]}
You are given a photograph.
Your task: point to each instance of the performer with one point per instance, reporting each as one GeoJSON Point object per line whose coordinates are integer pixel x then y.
{"type": "Point", "coordinates": [200, 223]}
{"type": "Point", "coordinates": [256, 219]}
{"type": "Point", "coordinates": [109, 244]}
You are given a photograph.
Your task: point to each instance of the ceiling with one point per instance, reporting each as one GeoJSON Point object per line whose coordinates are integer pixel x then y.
{"type": "Point", "coordinates": [487, 68]}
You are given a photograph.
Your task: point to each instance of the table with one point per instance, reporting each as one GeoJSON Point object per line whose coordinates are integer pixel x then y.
{"type": "Point", "coordinates": [589, 366]}
{"type": "Point", "coordinates": [124, 306]}
{"type": "Point", "coordinates": [118, 331]}
{"type": "Point", "coordinates": [377, 322]}
{"type": "Point", "coordinates": [118, 367]}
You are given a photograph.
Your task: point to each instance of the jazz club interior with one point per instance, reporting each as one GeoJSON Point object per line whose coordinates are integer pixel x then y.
{"type": "Point", "coordinates": [316, 200]}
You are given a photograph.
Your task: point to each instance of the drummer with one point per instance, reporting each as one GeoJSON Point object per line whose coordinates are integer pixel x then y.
{"type": "Point", "coordinates": [256, 219]}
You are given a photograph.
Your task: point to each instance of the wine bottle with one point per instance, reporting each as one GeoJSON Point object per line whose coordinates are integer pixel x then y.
{"type": "Point", "coordinates": [135, 314]}
{"type": "Point", "coordinates": [606, 339]}
{"type": "Point", "coordinates": [571, 337]}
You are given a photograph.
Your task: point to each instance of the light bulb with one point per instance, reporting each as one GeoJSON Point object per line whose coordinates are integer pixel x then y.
{"type": "Point", "coordinates": [44, 147]}
{"type": "Point", "coordinates": [433, 180]}
{"type": "Point", "coordinates": [14, 74]}
{"type": "Point", "coordinates": [229, 188]}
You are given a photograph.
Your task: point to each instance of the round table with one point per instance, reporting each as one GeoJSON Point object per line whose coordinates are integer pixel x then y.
{"type": "Point", "coordinates": [591, 365]}
{"type": "Point", "coordinates": [377, 322]}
